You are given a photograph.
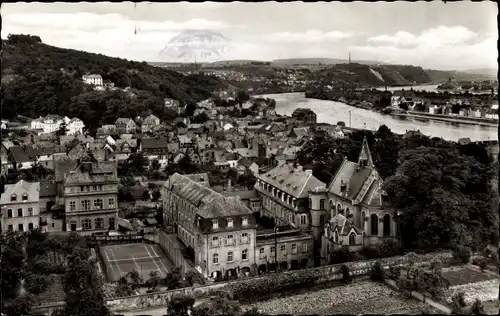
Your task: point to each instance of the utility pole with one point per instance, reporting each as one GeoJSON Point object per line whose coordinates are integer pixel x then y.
{"type": "Point", "coordinates": [276, 247]}
{"type": "Point", "coordinates": [350, 119]}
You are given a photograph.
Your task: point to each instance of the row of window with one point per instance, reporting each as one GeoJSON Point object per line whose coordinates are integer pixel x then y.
{"type": "Point", "coordinates": [230, 256]}
{"type": "Point", "coordinates": [352, 238]}
{"type": "Point", "coordinates": [244, 253]}
{"type": "Point", "coordinates": [87, 224]}
{"type": "Point", "coordinates": [20, 227]}
{"type": "Point", "coordinates": [19, 212]}
{"type": "Point", "coordinates": [90, 188]}
{"type": "Point", "coordinates": [284, 213]}
{"type": "Point", "coordinates": [229, 240]}
{"type": "Point", "coordinates": [97, 203]}
{"type": "Point", "coordinates": [230, 222]}
{"type": "Point", "coordinates": [284, 197]}
{"type": "Point", "coordinates": [13, 197]}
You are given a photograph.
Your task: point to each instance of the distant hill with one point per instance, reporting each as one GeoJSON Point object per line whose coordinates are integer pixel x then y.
{"type": "Point", "coordinates": [440, 76]}
{"type": "Point", "coordinates": [372, 75]}
{"type": "Point", "coordinates": [44, 79]}
{"type": "Point", "coordinates": [316, 61]}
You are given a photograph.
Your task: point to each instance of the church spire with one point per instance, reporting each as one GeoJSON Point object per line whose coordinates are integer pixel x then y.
{"type": "Point", "coordinates": [365, 156]}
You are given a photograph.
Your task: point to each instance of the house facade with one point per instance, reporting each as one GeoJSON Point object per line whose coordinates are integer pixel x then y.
{"type": "Point", "coordinates": [149, 123]}
{"type": "Point", "coordinates": [221, 231]}
{"type": "Point", "coordinates": [91, 197]}
{"type": "Point", "coordinates": [305, 115]}
{"type": "Point", "coordinates": [125, 126]}
{"type": "Point", "coordinates": [93, 79]}
{"type": "Point", "coordinates": [20, 206]}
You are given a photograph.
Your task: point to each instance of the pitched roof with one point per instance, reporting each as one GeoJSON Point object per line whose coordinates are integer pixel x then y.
{"type": "Point", "coordinates": [62, 167]}
{"type": "Point", "coordinates": [293, 180]}
{"type": "Point", "coordinates": [48, 189]}
{"type": "Point", "coordinates": [23, 153]}
{"type": "Point", "coordinates": [148, 143]}
{"type": "Point", "coordinates": [342, 225]}
{"type": "Point", "coordinates": [20, 188]}
{"type": "Point", "coordinates": [210, 203]}
{"type": "Point", "coordinates": [354, 179]}
{"type": "Point", "coordinates": [90, 172]}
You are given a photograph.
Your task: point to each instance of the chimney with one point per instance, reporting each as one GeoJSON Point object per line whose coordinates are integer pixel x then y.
{"type": "Point", "coordinates": [309, 171]}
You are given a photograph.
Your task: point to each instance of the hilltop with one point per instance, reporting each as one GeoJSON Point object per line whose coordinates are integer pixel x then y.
{"type": "Point", "coordinates": [317, 61]}
{"type": "Point", "coordinates": [440, 76]}
{"type": "Point", "coordinates": [372, 75]}
{"type": "Point", "coordinates": [39, 79]}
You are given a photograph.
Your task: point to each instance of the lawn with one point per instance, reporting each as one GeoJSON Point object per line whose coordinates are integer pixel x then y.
{"type": "Point", "coordinates": [357, 298]}
{"type": "Point", "coordinates": [465, 275]}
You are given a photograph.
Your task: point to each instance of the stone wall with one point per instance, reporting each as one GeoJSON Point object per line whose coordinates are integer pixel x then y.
{"type": "Point", "coordinates": [323, 274]}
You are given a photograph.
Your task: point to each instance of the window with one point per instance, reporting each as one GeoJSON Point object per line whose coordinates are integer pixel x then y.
{"type": "Point", "coordinates": [20, 212]}
{"type": "Point", "coordinates": [98, 204]}
{"type": "Point", "coordinates": [244, 221]}
{"type": "Point", "coordinates": [387, 225]}
{"type": "Point", "coordinates": [294, 248]}
{"type": "Point", "coordinates": [244, 255]}
{"type": "Point", "coordinates": [352, 239]}
{"type": "Point", "coordinates": [310, 203]}
{"type": "Point", "coordinates": [374, 224]}
{"type": "Point", "coordinates": [303, 219]}
{"type": "Point", "coordinates": [261, 253]}
{"type": "Point", "coordinates": [244, 238]}
{"type": "Point", "coordinates": [86, 205]}
{"type": "Point", "coordinates": [229, 240]}
{"type": "Point", "coordinates": [13, 198]}
{"type": "Point", "coordinates": [20, 227]}
{"type": "Point", "coordinates": [215, 224]}
{"type": "Point", "coordinates": [94, 187]}
{"type": "Point", "coordinates": [72, 205]}
{"type": "Point", "coordinates": [99, 223]}
{"type": "Point", "coordinates": [82, 188]}
{"type": "Point", "coordinates": [86, 224]}
{"type": "Point", "coordinates": [335, 236]}
{"type": "Point", "coordinates": [273, 249]}
{"type": "Point", "coordinates": [30, 226]}
{"type": "Point", "coordinates": [30, 211]}
{"type": "Point", "coordinates": [25, 197]}
{"type": "Point", "coordinates": [215, 241]}
{"type": "Point", "coordinates": [230, 256]}
{"type": "Point", "coordinates": [10, 228]}
{"type": "Point", "coordinates": [111, 202]}
{"type": "Point", "coordinates": [215, 258]}
{"type": "Point", "coordinates": [229, 223]}
{"type": "Point", "coordinates": [304, 247]}
{"type": "Point", "coordinates": [9, 213]}
{"type": "Point", "coordinates": [322, 204]}
{"type": "Point", "coordinates": [283, 248]}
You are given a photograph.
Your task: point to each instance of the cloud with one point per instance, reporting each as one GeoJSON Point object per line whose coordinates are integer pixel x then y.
{"type": "Point", "coordinates": [311, 36]}
{"type": "Point", "coordinates": [435, 37]}
{"type": "Point", "coordinates": [438, 48]}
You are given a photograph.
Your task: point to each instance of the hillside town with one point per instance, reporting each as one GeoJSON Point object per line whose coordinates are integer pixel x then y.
{"type": "Point", "coordinates": [300, 186]}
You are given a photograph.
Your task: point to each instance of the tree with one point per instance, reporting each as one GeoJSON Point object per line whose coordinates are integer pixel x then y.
{"type": "Point", "coordinates": [179, 304]}
{"type": "Point", "coordinates": [20, 306]}
{"type": "Point", "coordinates": [218, 306]}
{"type": "Point", "coordinates": [12, 263]}
{"type": "Point", "coordinates": [190, 108]}
{"type": "Point", "coordinates": [156, 195]}
{"type": "Point", "coordinates": [377, 273]}
{"type": "Point", "coordinates": [153, 281]}
{"type": "Point", "coordinates": [200, 118]}
{"type": "Point", "coordinates": [242, 97]}
{"type": "Point", "coordinates": [462, 254]}
{"type": "Point", "coordinates": [155, 165]}
{"type": "Point", "coordinates": [62, 130]}
{"type": "Point", "coordinates": [136, 163]}
{"type": "Point", "coordinates": [37, 283]}
{"type": "Point", "coordinates": [174, 279]}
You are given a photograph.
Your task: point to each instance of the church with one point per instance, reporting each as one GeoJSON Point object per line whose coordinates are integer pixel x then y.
{"type": "Point", "coordinates": [353, 208]}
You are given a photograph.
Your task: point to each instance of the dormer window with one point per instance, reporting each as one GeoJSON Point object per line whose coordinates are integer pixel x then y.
{"type": "Point", "coordinates": [215, 224]}
{"type": "Point", "coordinates": [13, 198]}
{"type": "Point", "coordinates": [343, 186]}
{"type": "Point", "coordinates": [244, 221]}
{"type": "Point", "coordinates": [25, 197]}
{"type": "Point", "coordinates": [229, 223]}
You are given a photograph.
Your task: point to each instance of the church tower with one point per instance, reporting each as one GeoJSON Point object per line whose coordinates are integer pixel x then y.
{"type": "Point", "coordinates": [365, 156]}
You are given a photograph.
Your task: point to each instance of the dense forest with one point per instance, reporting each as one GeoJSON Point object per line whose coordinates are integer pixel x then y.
{"type": "Point", "coordinates": [39, 79]}
{"type": "Point", "coordinates": [444, 188]}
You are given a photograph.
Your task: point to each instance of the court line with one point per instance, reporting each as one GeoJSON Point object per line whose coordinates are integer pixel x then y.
{"type": "Point", "coordinates": [136, 258]}
{"type": "Point", "coordinates": [161, 261]}
{"type": "Point", "coordinates": [108, 262]}
{"type": "Point", "coordinates": [137, 266]}
{"type": "Point", "coordinates": [116, 264]}
{"type": "Point", "coordinates": [156, 264]}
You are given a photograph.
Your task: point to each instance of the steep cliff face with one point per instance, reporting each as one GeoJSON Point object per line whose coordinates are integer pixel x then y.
{"type": "Point", "coordinates": [373, 75]}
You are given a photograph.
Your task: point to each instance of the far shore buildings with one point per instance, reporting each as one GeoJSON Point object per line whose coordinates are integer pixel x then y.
{"type": "Point", "coordinates": [305, 115]}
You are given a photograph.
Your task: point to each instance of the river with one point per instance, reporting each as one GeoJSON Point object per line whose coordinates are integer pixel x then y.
{"type": "Point", "coordinates": [331, 112]}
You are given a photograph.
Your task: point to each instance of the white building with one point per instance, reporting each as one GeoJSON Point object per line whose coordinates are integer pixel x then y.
{"type": "Point", "coordinates": [52, 123]}
{"type": "Point", "coordinates": [95, 80]}
{"type": "Point", "coordinates": [19, 204]}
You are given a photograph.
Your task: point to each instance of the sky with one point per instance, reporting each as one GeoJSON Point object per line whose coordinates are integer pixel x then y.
{"type": "Point", "coordinates": [435, 35]}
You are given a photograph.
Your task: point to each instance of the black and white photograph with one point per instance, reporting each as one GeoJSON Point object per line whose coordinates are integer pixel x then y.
{"type": "Point", "coordinates": [249, 158]}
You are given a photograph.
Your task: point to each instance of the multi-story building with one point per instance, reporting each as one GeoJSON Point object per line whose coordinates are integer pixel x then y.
{"type": "Point", "coordinates": [125, 126]}
{"type": "Point", "coordinates": [49, 123]}
{"type": "Point", "coordinates": [305, 115]}
{"type": "Point", "coordinates": [285, 199]}
{"type": "Point", "coordinates": [19, 204]}
{"type": "Point", "coordinates": [355, 209]}
{"type": "Point", "coordinates": [95, 80]}
{"type": "Point", "coordinates": [220, 230]}
{"type": "Point", "coordinates": [74, 126]}
{"type": "Point", "coordinates": [90, 197]}
{"type": "Point", "coordinates": [149, 123]}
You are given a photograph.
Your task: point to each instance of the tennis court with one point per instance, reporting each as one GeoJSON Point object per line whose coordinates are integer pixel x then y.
{"type": "Point", "coordinates": [144, 258]}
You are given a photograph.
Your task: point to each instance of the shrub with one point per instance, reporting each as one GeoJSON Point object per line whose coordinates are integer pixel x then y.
{"type": "Point", "coordinates": [477, 308]}
{"type": "Point", "coordinates": [193, 277]}
{"type": "Point", "coordinates": [346, 277]}
{"type": "Point", "coordinates": [180, 304]}
{"type": "Point", "coordinates": [458, 303]}
{"type": "Point", "coordinates": [377, 273]}
{"type": "Point", "coordinates": [482, 263]}
{"type": "Point", "coordinates": [462, 254]}
{"type": "Point", "coordinates": [37, 283]}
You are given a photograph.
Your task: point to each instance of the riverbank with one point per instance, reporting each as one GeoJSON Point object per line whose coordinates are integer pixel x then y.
{"type": "Point", "coordinates": [445, 118]}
